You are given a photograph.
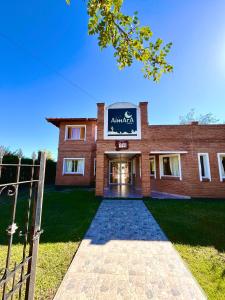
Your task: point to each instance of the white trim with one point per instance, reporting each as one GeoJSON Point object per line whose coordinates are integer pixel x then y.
{"type": "Point", "coordinates": [161, 173]}
{"type": "Point", "coordinates": [140, 167]}
{"type": "Point", "coordinates": [122, 137]}
{"type": "Point", "coordinates": [122, 105]}
{"type": "Point", "coordinates": [122, 152]}
{"type": "Point", "coordinates": [153, 156]}
{"type": "Point", "coordinates": [168, 152]}
{"type": "Point", "coordinates": [96, 132]}
{"type": "Point", "coordinates": [73, 158]}
{"type": "Point", "coordinates": [179, 159]}
{"type": "Point", "coordinates": [208, 166]}
{"type": "Point", "coordinates": [219, 155]}
{"type": "Point", "coordinates": [74, 126]}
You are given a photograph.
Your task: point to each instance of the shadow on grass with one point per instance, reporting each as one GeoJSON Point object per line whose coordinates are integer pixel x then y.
{"type": "Point", "coordinates": [68, 214]}
{"type": "Point", "coordinates": [196, 222]}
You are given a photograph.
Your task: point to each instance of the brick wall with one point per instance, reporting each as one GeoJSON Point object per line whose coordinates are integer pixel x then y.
{"type": "Point", "coordinates": [77, 149]}
{"type": "Point", "coordinates": [194, 139]}
{"type": "Point", "coordinates": [191, 138]}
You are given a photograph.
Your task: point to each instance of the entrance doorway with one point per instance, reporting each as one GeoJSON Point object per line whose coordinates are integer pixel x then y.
{"type": "Point", "coordinates": [120, 172]}
{"type": "Point", "coordinates": [122, 175]}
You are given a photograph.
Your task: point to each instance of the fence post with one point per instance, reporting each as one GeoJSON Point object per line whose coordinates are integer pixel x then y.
{"type": "Point", "coordinates": [36, 228]}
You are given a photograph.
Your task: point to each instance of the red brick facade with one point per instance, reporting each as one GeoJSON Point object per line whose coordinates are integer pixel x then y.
{"type": "Point", "coordinates": [185, 140]}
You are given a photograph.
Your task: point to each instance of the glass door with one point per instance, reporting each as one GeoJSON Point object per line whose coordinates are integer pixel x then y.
{"type": "Point", "coordinates": [114, 172]}
{"type": "Point", "coordinates": [120, 172]}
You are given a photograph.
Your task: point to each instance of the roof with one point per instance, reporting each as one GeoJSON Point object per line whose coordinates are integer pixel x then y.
{"type": "Point", "coordinates": [57, 121]}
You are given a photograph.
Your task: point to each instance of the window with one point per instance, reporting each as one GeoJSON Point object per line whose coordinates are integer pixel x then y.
{"type": "Point", "coordinates": [221, 162]}
{"type": "Point", "coordinates": [96, 133]}
{"type": "Point", "coordinates": [76, 132]}
{"type": "Point", "coordinates": [152, 166]}
{"type": "Point", "coordinates": [73, 166]}
{"type": "Point", "coordinates": [170, 165]}
{"type": "Point", "coordinates": [204, 167]}
{"type": "Point", "coordinates": [94, 166]}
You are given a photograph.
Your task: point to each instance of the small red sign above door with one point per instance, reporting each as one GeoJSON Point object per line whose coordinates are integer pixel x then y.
{"type": "Point", "coordinates": [121, 145]}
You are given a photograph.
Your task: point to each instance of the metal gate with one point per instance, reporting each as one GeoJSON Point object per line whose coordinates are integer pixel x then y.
{"type": "Point", "coordinates": [17, 278]}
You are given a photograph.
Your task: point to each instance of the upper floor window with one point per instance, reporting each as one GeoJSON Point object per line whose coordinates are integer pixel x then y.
{"type": "Point", "coordinates": [96, 133]}
{"type": "Point", "coordinates": [76, 132]}
{"type": "Point", "coordinates": [221, 162]}
{"type": "Point", "coordinates": [152, 166]}
{"type": "Point", "coordinates": [170, 165]}
{"type": "Point", "coordinates": [73, 166]}
{"type": "Point", "coordinates": [204, 167]}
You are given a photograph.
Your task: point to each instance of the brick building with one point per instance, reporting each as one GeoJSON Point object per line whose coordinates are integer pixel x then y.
{"type": "Point", "coordinates": [122, 155]}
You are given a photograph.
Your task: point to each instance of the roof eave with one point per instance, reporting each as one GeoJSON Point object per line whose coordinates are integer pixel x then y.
{"type": "Point", "coordinates": [56, 121]}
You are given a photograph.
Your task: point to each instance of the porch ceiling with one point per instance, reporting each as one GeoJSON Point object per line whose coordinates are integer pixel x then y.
{"type": "Point", "coordinates": [121, 154]}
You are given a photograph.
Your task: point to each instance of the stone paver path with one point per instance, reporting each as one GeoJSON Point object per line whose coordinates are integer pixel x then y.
{"type": "Point", "coordinates": [125, 255]}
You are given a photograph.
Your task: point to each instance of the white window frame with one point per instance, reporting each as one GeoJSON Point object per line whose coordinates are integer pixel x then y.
{"type": "Point", "coordinates": [220, 166]}
{"type": "Point", "coordinates": [94, 166]}
{"type": "Point", "coordinates": [161, 166]}
{"type": "Point", "coordinates": [75, 126]}
{"type": "Point", "coordinates": [96, 132]}
{"type": "Point", "coordinates": [208, 166]}
{"type": "Point", "coordinates": [150, 157]}
{"type": "Point", "coordinates": [140, 167]}
{"type": "Point", "coordinates": [73, 173]}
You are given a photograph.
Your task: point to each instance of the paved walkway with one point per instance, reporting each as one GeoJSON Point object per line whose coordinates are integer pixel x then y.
{"type": "Point", "coordinates": [125, 255]}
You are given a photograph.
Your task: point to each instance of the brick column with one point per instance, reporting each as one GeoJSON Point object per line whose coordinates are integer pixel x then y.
{"type": "Point", "coordinates": [100, 121]}
{"type": "Point", "coordinates": [144, 119]}
{"type": "Point", "coordinates": [145, 175]}
{"type": "Point", "coordinates": [99, 190]}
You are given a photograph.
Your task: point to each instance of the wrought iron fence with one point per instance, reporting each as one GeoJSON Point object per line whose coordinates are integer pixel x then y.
{"type": "Point", "coordinates": [17, 278]}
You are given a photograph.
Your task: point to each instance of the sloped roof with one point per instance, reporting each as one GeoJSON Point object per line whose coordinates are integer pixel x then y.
{"type": "Point", "coordinates": [57, 121]}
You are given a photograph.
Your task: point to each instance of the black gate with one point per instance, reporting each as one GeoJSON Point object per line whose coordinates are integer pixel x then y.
{"type": "Point", "coordinates": [25, 193]}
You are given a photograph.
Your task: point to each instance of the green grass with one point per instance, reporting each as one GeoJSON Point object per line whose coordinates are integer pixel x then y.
{"type": "Point", "coordinates": [197, 229]}
{"type": "Point", "coordinates": [66, 217]}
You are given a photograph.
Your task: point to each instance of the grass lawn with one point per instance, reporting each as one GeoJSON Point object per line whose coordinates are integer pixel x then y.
{"type": "Point", "coordinates": [66, 217]}
{"type": "Point", "coordinates": [197, 229]}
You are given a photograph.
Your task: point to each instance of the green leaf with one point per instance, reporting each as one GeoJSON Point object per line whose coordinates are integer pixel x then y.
{"type": "Point", "coordinates": [130, 40]}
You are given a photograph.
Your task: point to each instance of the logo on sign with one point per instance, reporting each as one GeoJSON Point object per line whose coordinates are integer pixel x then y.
{"type": "Point", "coordinates": [122, 121]}
{"type": "Point", "coordinates": [128, 118]}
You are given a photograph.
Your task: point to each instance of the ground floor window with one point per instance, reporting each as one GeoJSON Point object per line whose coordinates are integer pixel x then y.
{"type": "Point", "coordinates": [152, 166]}
{"type": "Point", "coordinates": [221, 162]}
{"type": "Point", "coordinates": [204, 167]}
{"type": "Point", "coordinates": [73, 166]}
{"type": "Point", "coordinates": [170, 165]}
{"type": "Point", "coordinates": [94, 166]}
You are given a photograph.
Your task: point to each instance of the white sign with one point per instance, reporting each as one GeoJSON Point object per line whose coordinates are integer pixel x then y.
{"type": "Point", "coordinates": [122, 121]}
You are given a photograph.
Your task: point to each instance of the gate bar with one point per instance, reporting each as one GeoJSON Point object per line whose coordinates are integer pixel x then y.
{"type": "Point", "coordinates": [36, 228]}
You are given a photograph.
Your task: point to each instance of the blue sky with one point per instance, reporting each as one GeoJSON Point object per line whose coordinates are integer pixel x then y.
{"type": "Point", "coordinates": [47, 59]}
